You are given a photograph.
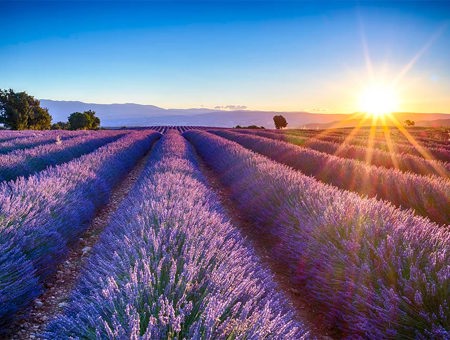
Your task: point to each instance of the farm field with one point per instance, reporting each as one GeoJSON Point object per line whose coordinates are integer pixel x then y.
{"type": "Point", "coordinates": [213, 233]}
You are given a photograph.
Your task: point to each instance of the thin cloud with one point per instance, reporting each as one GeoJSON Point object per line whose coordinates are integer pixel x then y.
{"type": "Point", "coordinates": [231, 107]}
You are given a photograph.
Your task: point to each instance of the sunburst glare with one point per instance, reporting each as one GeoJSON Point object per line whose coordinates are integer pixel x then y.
{"type": "Point", "coordinates": [378, 100]}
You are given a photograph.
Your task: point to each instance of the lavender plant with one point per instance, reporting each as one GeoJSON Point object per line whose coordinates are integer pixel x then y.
{"type": "Point", "coordinates": [29, 139]}
{"type": "Point", "coordinates": [170, 265]}
{"type": "Point", "coordinates": [428, 196]}
{"type": "Point", "coordinates": [41, 215]}
{"type": "Point", "coordinates": [437, 150]}
{"type": "Point", "coordinates": [372, 156]}
{"type": "Point", "coordinates": [27, 161]}
{"type": "Point", "coordinates": [373, 270]}
{"type": "Point", "coordinates": [6, 135]}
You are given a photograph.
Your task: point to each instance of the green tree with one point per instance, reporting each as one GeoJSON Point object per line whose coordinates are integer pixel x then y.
{"type": "Point", "coordinates": [280, 122]}
{"type": "Point", "coordinates": [84, 121]}
{"type": "Point", "coordinates": [94, 121]}
{"type": "Point", "coordinates": [20, 111]}
{"type": "Point", "coordinates": [39, 119]}
{"type": "Point", "coordinates": [61, 126]}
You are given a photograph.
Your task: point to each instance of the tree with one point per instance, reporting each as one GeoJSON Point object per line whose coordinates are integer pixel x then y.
{"type": "Point", "coordinates": [39, 119]}
{"type": "Point", "coordinates": [410, 122]}
{"type": "Point", "coordinates": [20, 111]}
{"type": "Point", "coordinates": [61, 126]}
{"type": "Point", "coordinates": [84, 121]}
{"type": "Point", "coordinates": [94, 121]}
{"type": "Point", "coordinates": [280, 122]}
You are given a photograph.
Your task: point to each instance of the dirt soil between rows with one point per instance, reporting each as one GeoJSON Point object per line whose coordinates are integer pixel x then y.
{"type": "Point", "coordinates": [305, 310]}
{"type": "Point", "coordinates": [32, 322]}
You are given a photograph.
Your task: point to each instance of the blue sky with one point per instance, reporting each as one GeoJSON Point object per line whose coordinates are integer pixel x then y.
{"type": "Point", "coordinates": [288, 55]}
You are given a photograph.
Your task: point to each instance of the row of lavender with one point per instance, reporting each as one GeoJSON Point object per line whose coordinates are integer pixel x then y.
{"type": "Point", "coordinates": [416, 148]}
{"type": "Point", "coordinates": [170, 266]}
{"type": "Point", "coordinates": [430, 138]}
{"type": "Point", "coordinates": [6, 135]}
{"type": "Point", "coordinates": [27, 140]}
{"type": "Point", "coordinates": [404, 162]}
{"type": "Point", "coordinates": [428, 196]}
{"type": "Point", "coordinates": [164, 129]}
{"type": "Point", "coordinates": [375, 271]}
{"type": "Point", "coordinates": [41, 215]}
{"type": "Point", "coordinates": [27, 161]}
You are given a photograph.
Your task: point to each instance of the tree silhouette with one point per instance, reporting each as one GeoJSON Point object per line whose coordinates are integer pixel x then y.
{"type": "Point", "coordinates": [280, 122]}
{"type": "Point", "coordinates": [409, 122]}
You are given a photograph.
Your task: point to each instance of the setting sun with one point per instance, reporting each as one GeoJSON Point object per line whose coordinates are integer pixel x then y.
{"type": "Point", "coordinates": [378, 100]}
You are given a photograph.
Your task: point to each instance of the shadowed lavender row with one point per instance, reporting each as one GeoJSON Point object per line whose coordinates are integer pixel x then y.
{"type": "Point", "coordinates": [170, 266]}
{"type": "Point", "coordinates": [41, 215]}
{"type": "Point", "coordinates": [428, 196]}
{"type": "Point", "coordinates": [35, 138]}
{"type": "Point", "coordinates": [404, 162]}
{"type": "Point", "coordinates": [375, 271]}
{"type": "Point", "coordinates": [25, 162]}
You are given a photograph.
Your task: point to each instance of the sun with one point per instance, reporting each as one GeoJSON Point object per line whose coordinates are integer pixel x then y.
{"type": "Point", "coordinates": [378, 100]}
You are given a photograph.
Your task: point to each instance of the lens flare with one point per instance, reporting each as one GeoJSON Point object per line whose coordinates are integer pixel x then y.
{"type": "Point", "coordinates": [378, 100]}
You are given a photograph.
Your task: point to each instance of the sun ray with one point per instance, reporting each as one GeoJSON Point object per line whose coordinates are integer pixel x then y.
{"type": "Point", "coordinates": [352, 133]}
{"type": "Point", "coordinates": [341, 124]}
{"type": "Point", "coordinates": [370, 142]}
{"type": "Point", "coordinates": [423, 151]}
{"type": "Point", "coordinates": [389, 142]}
{"type": "Point", "coordinates": [365, 46]}
{"type": "Point", "coordinates": [419, 54]}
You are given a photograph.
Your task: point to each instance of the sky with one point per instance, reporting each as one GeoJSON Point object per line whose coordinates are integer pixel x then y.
{"type": "Point", "coordinates": [286, 55]}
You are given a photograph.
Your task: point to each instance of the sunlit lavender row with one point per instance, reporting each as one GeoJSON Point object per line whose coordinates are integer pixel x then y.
{"type": "Point", "coordinates": [415, 147]}
{"type": "Point", "coordinates": [404, 162]}
{"type": "Point", "coordinates": [373, 270]}
{"type": "Point", "coordinates": [27, 161]}
{"type": "Point", "coordinates": [380, 137]}
{"type": "Point", "coordinates": [428, 196]}
{"type": "Point", "coordinates": [170, 266]}
{"type": "Point", "coordinates": [401, 138]}
{"type": "Point", "coordinates": [41, 215]}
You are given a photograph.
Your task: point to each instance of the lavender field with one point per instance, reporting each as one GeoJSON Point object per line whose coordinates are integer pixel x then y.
{"type": "Point", "coordinates": [184, 232]}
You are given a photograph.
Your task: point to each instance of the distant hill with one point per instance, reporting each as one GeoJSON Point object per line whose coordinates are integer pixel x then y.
{"type": "Point", "coordinates": [434, 123]}
{"type": "Point", "coordinates": [130, 114]}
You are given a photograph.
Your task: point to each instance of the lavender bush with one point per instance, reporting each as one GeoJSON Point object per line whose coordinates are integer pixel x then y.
{"type": "Point", "coordinates": [436, 150]}
{"type": "Point", "coordinates": [170, 266]}
{"type": "Point", "coordinates": [404, 162]}
{"type": "Point", "coordinates": [375, 271]}
{"type": "Point", "coordinates": [27, 161]}
{"type": "Point", "coordinates": [33, 139]}
{"type": "Point", "coordinates": [428, 196]}
{"type": "Point", "coordinates": [41, 215]}
{"type": "Point", "coordinates": [6, 135]}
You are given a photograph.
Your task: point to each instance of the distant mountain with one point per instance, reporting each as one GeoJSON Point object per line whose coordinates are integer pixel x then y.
{"type": "Point", "coordinates": [145, 115]}
{"type": "Point", "coordinates": [114, 114]}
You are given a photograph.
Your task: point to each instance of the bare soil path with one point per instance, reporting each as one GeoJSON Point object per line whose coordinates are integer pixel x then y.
{"type": "Point", "coordinates": [263, 244]}
{"type": "Point", "coordinates": [34, 319]}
